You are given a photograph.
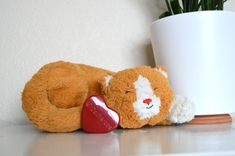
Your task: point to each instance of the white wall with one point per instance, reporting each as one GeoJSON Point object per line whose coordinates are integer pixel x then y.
{"type": "Point", "coordinates": [112, 34]}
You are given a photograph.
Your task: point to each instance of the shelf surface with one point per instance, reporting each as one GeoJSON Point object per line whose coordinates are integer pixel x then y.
{"type": "Point", "coordinates": [212, 139]}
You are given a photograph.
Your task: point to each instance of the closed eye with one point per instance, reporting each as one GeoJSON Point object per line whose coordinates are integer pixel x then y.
{"type": "Point", "coordinates": [127, 91]}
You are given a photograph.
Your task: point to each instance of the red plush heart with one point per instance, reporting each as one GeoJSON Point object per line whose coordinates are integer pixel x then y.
{"type": "Point", "coordinates": [97, 117]}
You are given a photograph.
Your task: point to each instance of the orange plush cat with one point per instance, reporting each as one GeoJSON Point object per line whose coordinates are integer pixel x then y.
{"type": "Point", "coordinates": [53, 99]}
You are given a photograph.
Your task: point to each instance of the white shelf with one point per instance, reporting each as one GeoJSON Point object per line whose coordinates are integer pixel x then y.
{"type": "Point", "coordinates": [170, 140]}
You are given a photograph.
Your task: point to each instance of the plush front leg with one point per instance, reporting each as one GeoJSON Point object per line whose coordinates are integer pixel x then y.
{"type": "Point", "coordinates": [181, 111]}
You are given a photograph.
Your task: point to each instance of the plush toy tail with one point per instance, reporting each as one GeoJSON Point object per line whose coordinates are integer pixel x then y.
{"type": "Point", "coordinates": [44, 103]}
{"type": "Point", "coordinates": [53, 99]}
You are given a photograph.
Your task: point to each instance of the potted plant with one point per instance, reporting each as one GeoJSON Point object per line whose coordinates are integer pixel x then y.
{"type": "Point", "coordinates": [195, 40]}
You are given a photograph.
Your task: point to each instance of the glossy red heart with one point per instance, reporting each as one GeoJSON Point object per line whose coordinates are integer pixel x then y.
{"type": "Point", "coordinates": [97, 117]}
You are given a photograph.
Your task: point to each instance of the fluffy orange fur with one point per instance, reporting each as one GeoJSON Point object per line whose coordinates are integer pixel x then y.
{"type": "Point", "coordinates": [54, 97]}
{"type": "Point", "coordinates": [120, 96]}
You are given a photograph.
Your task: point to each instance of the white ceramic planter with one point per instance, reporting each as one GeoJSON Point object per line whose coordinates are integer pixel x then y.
{"type": "Point", "coordinates": [199, 51]}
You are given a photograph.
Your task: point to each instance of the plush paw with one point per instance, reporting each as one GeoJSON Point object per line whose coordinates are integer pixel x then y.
{"type": "Point", "coordinates": [182, 110]}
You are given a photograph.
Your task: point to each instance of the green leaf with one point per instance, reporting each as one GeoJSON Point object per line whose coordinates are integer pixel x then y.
{"type": "Point", "coordinates": [220, 5]}
{"type": "Point", "coordinates": [175, 6]}
{"type": "Point", "coordinates": [169, 7]}
{"type": "Point", "coordinates": [185, 5]}
{"type": "Point", "coordinates": [196, 5]}
{"type": "Point", "coordinates": [209, 4]}
{"type": "Point", "coordinates": [203, 5]}
{"type": "Point", "coordinates": [165, 14]}
{"type": "Point", "coordinates": [190, 5]}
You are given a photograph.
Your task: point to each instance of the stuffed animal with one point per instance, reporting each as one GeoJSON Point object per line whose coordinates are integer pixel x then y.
{"type": "Point", "coordinates": [53, 99]}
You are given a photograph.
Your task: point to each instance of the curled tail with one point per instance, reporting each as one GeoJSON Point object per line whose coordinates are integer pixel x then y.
{"type": "Point", "coordinates": [53, 98]}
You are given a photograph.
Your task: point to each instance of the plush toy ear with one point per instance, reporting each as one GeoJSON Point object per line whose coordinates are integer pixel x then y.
{"type": "Point", "coordinates": [105, 82]}
{"type": "Point", "coordinates": [162, 70]}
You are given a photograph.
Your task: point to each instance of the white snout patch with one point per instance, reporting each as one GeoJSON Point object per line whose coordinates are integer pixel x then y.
{"type": "Point", "coordinates": [145, 91]}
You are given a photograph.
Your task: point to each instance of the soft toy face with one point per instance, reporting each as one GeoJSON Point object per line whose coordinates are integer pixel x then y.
{"type": "Point", "coordinates": [141, 96]}
{"type": "Point", "coordinates": [147, 104]}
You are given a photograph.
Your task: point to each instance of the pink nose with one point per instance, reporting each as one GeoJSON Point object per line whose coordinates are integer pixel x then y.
{"type": "Point", "coordinates": [147, 101]}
